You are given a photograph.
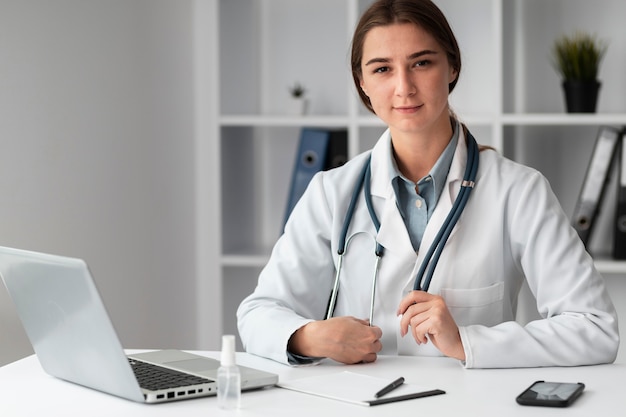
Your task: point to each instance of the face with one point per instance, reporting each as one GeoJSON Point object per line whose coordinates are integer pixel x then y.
{"type": "Point", "coordinates": [405, 74]}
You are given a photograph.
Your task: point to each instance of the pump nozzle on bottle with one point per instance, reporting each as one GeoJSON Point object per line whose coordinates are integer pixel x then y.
{"type": "Point", "coordinates": [228, 376]}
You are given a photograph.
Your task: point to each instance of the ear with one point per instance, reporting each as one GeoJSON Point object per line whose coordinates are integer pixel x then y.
{"type": "Point", "coordinates": [362, 85]}
{"type": "Point", "coordinates": [452, 75]}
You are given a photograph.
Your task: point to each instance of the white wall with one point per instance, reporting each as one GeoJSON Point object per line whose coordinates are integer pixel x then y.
{"type": "Point", "coordinates": [96, 156]}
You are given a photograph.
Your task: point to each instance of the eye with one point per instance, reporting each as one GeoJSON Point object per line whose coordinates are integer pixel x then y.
{"type": "Point", "coordinates": [422, 63]}
{"type": "Point", "coordinates": [380, 70]}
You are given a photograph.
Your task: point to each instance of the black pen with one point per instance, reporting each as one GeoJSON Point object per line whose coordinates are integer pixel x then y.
{"type": "Point", "coordinates": [395, 384]}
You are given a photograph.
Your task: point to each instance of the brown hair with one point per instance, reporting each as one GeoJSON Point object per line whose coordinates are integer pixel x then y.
{"type": "Point", "coordinates": [423, 13]}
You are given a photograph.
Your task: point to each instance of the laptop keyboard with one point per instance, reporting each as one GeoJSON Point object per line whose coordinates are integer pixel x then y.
{"type": "Point", "coordinates": [155, 378]}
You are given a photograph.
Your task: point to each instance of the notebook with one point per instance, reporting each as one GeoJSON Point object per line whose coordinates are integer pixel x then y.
{"type": "Point", "coordinates": [356, 388]}
{"type": "Point", "coordinates": [73, 337]}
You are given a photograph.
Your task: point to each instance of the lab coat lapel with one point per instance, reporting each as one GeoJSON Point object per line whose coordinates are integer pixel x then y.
{"type": "Point", "coordinates": [449, 193]}
{"type": "Point", "coordinates": [392, 234]}
{"type": "Point", "coordinates": [446, 200]}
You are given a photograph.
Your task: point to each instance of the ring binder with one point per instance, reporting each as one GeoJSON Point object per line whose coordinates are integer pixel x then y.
{"type": "Point", "coordinates": [319, 150]}
{"type": "Point", "coordinates": [619, 237]}
{"type": "Point", "coordinates": [594, 185]}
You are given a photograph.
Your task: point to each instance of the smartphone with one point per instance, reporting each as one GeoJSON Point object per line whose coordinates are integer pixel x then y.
{"type": "Point", "coordinates": [551, 394]}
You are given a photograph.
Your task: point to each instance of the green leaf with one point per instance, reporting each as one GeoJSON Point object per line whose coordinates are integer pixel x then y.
{"type": "Point", "coordinates": [578, 57]}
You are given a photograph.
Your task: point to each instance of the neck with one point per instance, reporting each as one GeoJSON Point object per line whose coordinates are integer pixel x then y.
{"type": "Point", "coordinates": [417, 153]}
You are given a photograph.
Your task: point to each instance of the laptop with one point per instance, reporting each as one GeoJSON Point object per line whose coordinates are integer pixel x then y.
{"type": "Point", "coordinates": [74, 339]}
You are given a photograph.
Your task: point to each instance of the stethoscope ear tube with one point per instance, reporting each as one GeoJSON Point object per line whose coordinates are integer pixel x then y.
{"type": "Point", "coordinates": [332, 301]}
{"type": "Point", "coordinates": [330, 310]}
{"type": "Point", "coordinates": [370, 207]}
{"type": "Point", "coordinates": [440, 240]}
{"type": "Point", "coordinates": [350, 212]}
{"type": "Point", "coordinates": [342, 244]}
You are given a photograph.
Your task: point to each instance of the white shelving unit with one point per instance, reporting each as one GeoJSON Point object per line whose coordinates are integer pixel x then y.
{"type": "Point", "coordinates": [508, 94]}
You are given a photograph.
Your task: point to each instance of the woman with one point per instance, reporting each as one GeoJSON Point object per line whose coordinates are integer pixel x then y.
{"type": "Point", "coordinates": [405, 62]}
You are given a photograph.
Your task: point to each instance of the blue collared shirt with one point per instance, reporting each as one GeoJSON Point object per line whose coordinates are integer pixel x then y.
{"type": "Point", "coordinates": [417, 201]}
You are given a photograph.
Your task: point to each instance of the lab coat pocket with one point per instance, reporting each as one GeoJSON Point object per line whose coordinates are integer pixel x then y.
{"type": "Point", "coordinates": [477, 305]}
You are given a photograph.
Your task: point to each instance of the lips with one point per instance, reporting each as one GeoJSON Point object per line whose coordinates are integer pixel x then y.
{"type": "Point", "coordinates": [407, 109]}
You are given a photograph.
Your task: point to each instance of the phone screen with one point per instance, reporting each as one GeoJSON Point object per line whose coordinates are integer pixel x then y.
{"type": "Point", "coordinates": [551, 394]}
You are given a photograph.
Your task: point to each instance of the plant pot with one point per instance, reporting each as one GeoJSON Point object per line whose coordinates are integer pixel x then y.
{"type": "Point", "coordinates": [298, 106]}
{"type": "Point", "coordinates": [581, 96]}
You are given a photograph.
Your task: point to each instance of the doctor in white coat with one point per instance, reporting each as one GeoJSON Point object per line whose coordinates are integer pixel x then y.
{"type": "Point", "coordinates": [405, 63]}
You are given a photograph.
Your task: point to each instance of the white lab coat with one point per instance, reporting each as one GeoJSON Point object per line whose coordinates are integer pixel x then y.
{"type": "Point", "coordinates": [513, 228]}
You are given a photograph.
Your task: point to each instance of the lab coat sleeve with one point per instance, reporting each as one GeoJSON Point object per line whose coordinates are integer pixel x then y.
{"type": "Point", "coordinates": [295, 284]}
{"type": "Point", "coordinates": [579, 325]}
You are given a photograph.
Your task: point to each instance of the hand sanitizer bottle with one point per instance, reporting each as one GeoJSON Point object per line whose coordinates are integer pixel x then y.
{"type": "Point", "coordinates": [228, 376]}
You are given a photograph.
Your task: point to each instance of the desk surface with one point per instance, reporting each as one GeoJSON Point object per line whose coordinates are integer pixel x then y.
{"type": "Point", "coordinates": [25, 390]}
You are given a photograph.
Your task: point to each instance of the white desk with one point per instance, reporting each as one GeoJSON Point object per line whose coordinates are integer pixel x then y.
{"type": "Point", "coordinates": [25, 390]}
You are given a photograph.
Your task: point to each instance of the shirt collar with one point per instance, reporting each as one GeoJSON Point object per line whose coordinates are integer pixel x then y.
{"type": "Point", "coordinates": [439, 172]}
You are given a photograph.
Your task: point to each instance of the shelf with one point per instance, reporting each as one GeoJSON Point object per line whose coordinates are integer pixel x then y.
{"type": "Point", "coordinates": [252, 261]}
{"type": "Point", "coordinates": [606, 265]}
{"type": "Point", "coordinates": [280, 120]}
{"type": "Point", "coordinates": [565, 119]}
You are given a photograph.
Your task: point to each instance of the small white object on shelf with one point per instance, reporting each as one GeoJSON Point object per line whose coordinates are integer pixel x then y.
{"type": "Point", "coordinates": [298, 104]}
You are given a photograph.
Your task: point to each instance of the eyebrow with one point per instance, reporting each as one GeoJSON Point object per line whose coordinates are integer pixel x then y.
{"type": "Point", "coordinates": [412, 56]}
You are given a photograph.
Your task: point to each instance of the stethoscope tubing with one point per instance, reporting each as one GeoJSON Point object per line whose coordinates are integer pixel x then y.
{"type": "Point", "coordinates": [434, 252]}
{"type": "Point", "coordinates": [335, 291]}
{"type": "Point", "coordinates": [453, 216]}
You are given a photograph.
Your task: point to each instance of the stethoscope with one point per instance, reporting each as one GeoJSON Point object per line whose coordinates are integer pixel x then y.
{"type": "Point", "coordinates": [434, 252]}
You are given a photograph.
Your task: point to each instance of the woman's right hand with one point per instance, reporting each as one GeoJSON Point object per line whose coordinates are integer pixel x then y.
{"type": "Point", "coordinates": [344, 339]}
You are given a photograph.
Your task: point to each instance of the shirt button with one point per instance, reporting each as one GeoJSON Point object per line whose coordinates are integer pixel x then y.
{"type": "Point", "coordinates": [418, 203]}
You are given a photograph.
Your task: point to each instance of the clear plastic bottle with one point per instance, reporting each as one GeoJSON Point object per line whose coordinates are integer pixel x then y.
{"type": "Point", "coordinates": [228, 376]}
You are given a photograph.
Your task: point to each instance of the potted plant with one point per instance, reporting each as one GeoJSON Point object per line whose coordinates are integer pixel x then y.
{"type": "Point", "coordinates": [577, 59]}
{"type": "Point", "coordinates": [299, 102]}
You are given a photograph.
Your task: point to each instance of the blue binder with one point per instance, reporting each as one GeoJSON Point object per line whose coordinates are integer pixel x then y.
{"type": "Point", "coordinates": [319, 150]}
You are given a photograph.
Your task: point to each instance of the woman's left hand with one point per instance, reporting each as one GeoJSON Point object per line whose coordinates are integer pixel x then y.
{"type": "Point", "coordinates": [428, 317]}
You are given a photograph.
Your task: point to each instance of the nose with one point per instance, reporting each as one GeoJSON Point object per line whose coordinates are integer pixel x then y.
{"type": "Point", "coordinates": [405, 85]}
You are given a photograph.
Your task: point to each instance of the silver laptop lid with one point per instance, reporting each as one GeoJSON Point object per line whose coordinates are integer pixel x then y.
{"type": "Point", "coordinates": [66, 321]}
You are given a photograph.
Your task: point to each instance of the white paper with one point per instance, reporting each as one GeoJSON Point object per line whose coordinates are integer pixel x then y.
{"type": "Point", "coordinates": [350, 387]}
